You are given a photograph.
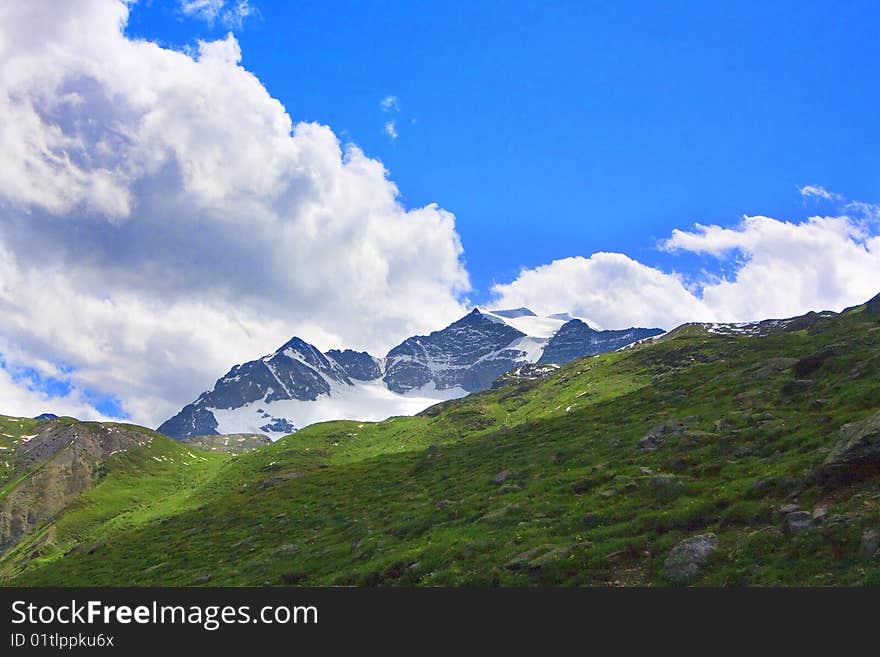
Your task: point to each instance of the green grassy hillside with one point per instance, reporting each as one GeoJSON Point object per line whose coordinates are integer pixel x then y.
{"type": "Point", "coordinates": [590, 476]}
{"type": "Point", "coordinates": [12, 431]}
{"type": "Point", "coordinates": [79, 496]}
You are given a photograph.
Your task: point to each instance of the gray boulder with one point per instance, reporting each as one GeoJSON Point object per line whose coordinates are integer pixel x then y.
{"type": "Point", "coordinates": [688, 557]}
{"type": "Point", "coordinates": [856, 455]}
{"type": "Point", "coordinates": [798, 521]}
{"type": "Point", "coordinates": [869, 545]}
{"type": "Point", "coordinates": [658, 434]}
{"type": "Point", "coordinates": [663, 481]}
{"type": "Point", "coordinates": [502, 476]}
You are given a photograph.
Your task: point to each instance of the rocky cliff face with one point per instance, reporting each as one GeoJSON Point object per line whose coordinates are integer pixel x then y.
{"type": "Point", "coordinates": [357, 364]}
{"type": "Point", "coordinates": [469, 354]}
{"type": "Point", "coordinates": [577, 340]}
{"type": "Point", "coordinates": [61, 461]}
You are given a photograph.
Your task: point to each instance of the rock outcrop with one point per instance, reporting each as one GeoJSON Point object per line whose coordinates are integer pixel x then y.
{"type": "Point", "coordinates": [61, 461]}
{"type": "Point", "coordinates": [856, 455]}
{"type": "Point", "coordinates": [577, 340]}
{"type": "Point", "coordinates": [686, 559]}
{"type": "Point", "coordinates": [469, 354]}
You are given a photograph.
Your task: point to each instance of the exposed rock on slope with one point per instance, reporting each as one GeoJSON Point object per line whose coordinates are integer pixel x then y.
{"type": "Point", "coordinates": [469, 354]}
{"type": "Point", "coordinates": [357, 364]}
{"type": "Point", "coordinates": [856, 455]}
{"type": "Point", "coordinates": [576, 340]}
{"type": "Point", "coordinates": [232, 443]}
{"type": "Point", "coordinates": [524, 373]}
{"type": "Point", "coordinates": [61, 461]}
{"type": "Point", "coordinates": [687, 558]}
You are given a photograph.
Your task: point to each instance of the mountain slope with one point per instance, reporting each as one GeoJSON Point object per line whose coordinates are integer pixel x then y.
{"type": "Point", "coordinates": [52, 469]}
{"type": "Point", "coordinates": [717, 435]}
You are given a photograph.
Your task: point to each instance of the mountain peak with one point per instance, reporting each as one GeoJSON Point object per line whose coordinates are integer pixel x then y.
{"type": "Point", "coordinates": [476, 319]}
{"type": "Point", "coordinates": [577, 324]}
{"type": "Point", "coordinates": [468, 355]}
{"type": "Point", "coordinates": [356, 364]}
{"type": "Point", "coordinates": [297, 344]}
{"type": "Point", "coordinates": [576, 339]}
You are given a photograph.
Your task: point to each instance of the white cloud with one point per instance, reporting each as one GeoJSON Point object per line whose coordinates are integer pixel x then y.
{"type": "Point", "coordinates": [787, 268]}
{"type": "Point", "coordinates": [817, 191]}
{"type": "Point", "coordinates": [230, 13]}
{"type": "Point", "coordinates": [26, 402]}
{"type": "Point", "coordinates": [163, 218]}
{"type": "Point", "coordinates": [24, 395]}
{"type": "Point", "coordinates": [780, 268]}
{"type": "Point", "coordinates": [390, 104]}
{"type": "Point", "coordinates": [608, 290]}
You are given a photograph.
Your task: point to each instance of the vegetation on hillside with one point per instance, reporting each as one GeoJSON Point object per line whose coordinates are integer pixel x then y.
{"type": "Point", "coordinates": [590, 476]}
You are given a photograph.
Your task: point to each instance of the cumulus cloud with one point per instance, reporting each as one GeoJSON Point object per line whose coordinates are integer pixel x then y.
{"type": "Point", "coordinates": [787, 268]}
{"type": "Point", "coordinates": [163, 217]}
{"type": "Point", "coordinates": [390, 104]}
{"type": "Point", "coordinates": [608, 290]}
{"type": "Point", "coordinates": [26, 400]}
{"type": "Point", "coordinates": [230, 13]}
{"type": "Point", "coordinates": [779, 268]}
{"type": "Point", "coordinates": [25, 391]}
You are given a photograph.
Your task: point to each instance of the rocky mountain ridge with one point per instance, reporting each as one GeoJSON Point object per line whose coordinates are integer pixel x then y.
{"type": "Point", "coordinates": [298, 385]}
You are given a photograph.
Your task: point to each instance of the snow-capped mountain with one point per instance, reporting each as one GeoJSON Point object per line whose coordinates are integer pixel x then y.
{"type": "Point", "coordinates": [296, 373]}
{"type": "Point", "coordinates": [297, 385]}
{"type": "Point", "coordinates": [468, 354]}
{"type": "Point", "coordinates": [575, 339]}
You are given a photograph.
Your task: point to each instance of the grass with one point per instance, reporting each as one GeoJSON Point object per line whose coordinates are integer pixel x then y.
{"type": "Point", "coordinates": [415, 500]}
{"type": "Point", "coordinates": [11, 431]}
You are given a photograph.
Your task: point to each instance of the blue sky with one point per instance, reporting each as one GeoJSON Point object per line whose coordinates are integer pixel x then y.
{"type": "Point", "coordinates": [553, 129]}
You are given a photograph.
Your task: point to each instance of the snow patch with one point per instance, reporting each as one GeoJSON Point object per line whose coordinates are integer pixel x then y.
{"type": "Point", "coordinates": [748, 328]}
{"type": "Point", "coordinates": [536, 327]}
{"type": "Point", "coordinates": [532, 347]}
{"type": "Point", "coordinates": [367, 401]}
